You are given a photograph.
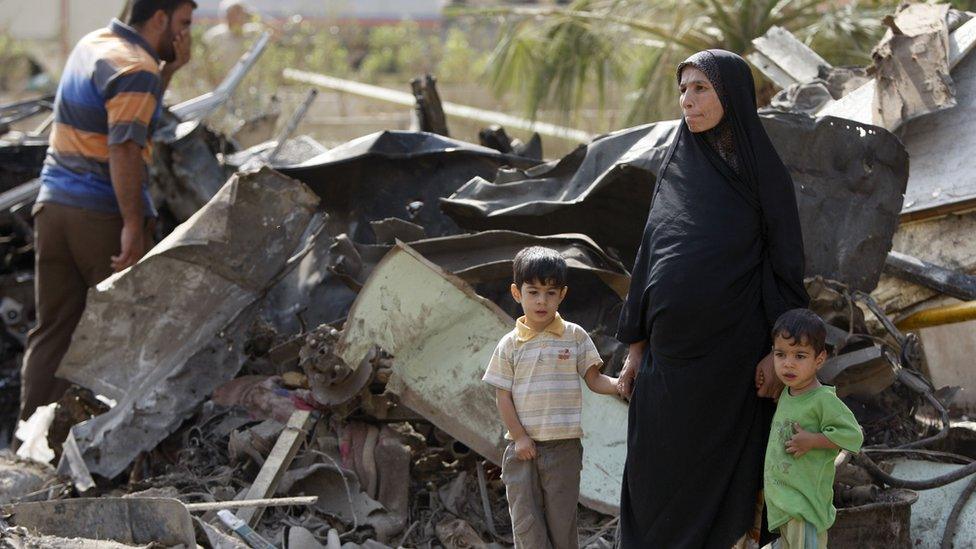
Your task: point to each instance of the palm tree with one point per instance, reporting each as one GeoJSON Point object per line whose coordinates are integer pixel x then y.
{"type": "Point", "coordinates": [564, 57]}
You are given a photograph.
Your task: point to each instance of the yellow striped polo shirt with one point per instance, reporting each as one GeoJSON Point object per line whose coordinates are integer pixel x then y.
{"type": "Point", "coordinates": [542, 370]}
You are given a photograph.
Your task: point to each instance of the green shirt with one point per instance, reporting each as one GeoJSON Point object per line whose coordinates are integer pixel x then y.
{"type": "Point", "coordinates": [803, 488]}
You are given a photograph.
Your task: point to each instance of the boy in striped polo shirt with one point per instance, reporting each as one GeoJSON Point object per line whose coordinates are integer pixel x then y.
{"type": "Point", "coordinates": [535, 370]}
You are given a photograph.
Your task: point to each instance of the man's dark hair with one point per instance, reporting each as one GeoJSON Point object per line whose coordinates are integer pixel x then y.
{"type": "Point", "coordinates": [143, 10]}
{"type": "Point", "coordinates": [538, 264]}
{"type": "Point", "coordinates": [803, 327]}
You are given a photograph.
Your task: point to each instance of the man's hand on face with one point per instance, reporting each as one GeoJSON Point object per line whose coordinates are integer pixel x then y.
{"type": "Point", "coordinates": [182, 45]}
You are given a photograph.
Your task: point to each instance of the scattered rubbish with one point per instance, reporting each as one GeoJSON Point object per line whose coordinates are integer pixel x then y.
{"type": "Point", "coordinates": [33, 435]}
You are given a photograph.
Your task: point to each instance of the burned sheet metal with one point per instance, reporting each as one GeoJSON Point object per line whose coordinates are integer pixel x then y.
{"type": "Point", "coordinates": [911, 65]}
{"type": "Point", "coordinates": [396, 174]}
{"type": "Point", "coordinates": [784, 59]}
{"type": "Point", "coordinates": [602, 190]}
{"type": "Point", "coordinates": [859, 105]}
{"type": "Point", "coordinates": [942, 146]}
{"type": "Point", "coordinates": [295, 151]}
{"type": "Point", "coordinates": [945, 241]}
{"type": "Point", "coordinates": [946, 281]}
{"type": "Point", "coordinates": [440, 355]}
{"type": "Point", "coordinates": [21, 160]}
{"type": "Point", "coordinates": [185, 173]}
{"type": "Point", "coordinates": [134, 521]}
{"type": "Point", "coordinates": [849, 181]}
{"type": "Point", "coordinates": [176, 345]}
{"type": "Point", "coordinates": [487, 256]}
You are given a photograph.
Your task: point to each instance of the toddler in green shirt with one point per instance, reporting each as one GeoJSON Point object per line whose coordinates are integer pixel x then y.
{"type": "Point", "coordinates": [810, 427]}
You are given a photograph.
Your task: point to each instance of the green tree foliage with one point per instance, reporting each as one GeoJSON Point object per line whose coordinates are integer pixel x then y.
{"type": "Point", "coordinates": [565, 57]}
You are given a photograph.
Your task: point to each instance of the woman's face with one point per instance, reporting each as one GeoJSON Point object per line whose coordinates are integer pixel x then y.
{"type": "Point", "coordinates": [699, 101]}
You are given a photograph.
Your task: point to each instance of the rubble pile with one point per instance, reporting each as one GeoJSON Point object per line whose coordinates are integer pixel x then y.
{"type": "Point", "coordinates": [298, 361]}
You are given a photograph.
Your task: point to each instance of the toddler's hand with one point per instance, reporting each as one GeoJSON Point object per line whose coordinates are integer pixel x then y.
{"type": "Point", "coordinates": [801, 442]}
{"type": "Point", "coordinates": [525, 448]}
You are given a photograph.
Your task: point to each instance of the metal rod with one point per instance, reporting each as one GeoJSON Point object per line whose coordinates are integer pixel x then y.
{"type": "Point", "coordinates": [200, 107]}
{"type": "Point", "coordinates": [947, 281]}
{"type": "Point", "coordinates": [451, 109]}
{"type": "Point", "coordinates": [292, 125]}
{"type": "Point", "coordinates": [250, 503]}
{"type": "Point", "coordinates": [939, 316]}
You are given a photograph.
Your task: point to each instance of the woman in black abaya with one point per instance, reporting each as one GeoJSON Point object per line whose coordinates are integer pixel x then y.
{"type": "Point", "coordinates": [721, 258]}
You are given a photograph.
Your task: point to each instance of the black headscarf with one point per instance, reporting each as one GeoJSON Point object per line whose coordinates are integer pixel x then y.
{"type": "Point", "coordinates": [720, 259]}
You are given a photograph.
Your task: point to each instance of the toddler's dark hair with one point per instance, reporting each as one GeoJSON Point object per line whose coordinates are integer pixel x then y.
{"type": "Point", "coordinates": [538, 264]}
{"type": "Point", "coordinates": [802, 326]}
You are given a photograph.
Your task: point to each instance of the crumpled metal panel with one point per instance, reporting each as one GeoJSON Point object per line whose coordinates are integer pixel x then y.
{"type": "Point", "coordinates": [597, 282]}
{"type": "Point", "coordinates": [849, 180]}
{"type": "Point", "coordinates": [442, 335]}
{"type": "Point", "coordinates": [942, 146]}
{"type": "Point", "coordinates": [185, 307]}
{"type": "Point", "coordinates": [912, 65]}
{"type": "Point", "coordinates": [185, 171]}
{"type": "Point", "coordinates": [602, 190]}
{"type": "Point", "coordinates": [396, 174]}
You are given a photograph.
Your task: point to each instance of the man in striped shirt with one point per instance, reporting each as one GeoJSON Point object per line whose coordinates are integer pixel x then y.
{"type": "Point", "coordinates": [93, 214]}
{"type": "Point", "coordinates": [536, 370]}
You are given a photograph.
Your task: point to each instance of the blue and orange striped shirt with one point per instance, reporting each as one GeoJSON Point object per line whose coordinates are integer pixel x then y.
{"type": "Point", "coordinates": [110, 93]}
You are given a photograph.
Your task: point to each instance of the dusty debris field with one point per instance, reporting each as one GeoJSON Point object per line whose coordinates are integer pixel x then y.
{"type": "Point", "coordinates": [298, 361]}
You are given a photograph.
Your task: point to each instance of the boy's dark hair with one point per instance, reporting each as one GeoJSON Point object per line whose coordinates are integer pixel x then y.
{"type": "Point", "coordinates": [803, 327]}
{"type": "Point", "coordinates": [538, 264]}
{"type": "Point", "coordinates": [143, 10]}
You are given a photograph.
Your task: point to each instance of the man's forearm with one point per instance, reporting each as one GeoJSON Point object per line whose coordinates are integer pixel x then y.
{"type": "Point", "coordinates": [506, 408]}
{"type": "Point", "coordinates": [127, 170]}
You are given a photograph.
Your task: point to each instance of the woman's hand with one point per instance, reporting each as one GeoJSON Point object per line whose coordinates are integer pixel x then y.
{"type": "Point", "coordinates": [768, 384]}
{"type": "Point", "coordinates": [625, 383]}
